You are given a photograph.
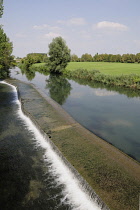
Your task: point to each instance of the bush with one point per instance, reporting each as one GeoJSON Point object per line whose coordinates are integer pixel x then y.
{"type": "Point", "coordinates": [131, 81]}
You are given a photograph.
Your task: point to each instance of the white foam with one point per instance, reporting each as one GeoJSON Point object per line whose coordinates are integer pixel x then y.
{"type": "Point", "coordinates": [72, 189]}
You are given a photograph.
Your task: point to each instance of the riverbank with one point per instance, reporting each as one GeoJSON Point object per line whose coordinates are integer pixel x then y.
{"type": "Point", "coordinates": [127, 81]}
{"type": "Point", "coordinates": [114, 74]}
{"type": "Point", "coordinates": [112, 174]}
{"type": "Point", "coordinates": [107, 68]}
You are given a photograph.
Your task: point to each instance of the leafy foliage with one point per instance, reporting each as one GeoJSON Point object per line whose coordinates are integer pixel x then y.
{"type": "Point", "coordinates": [6, 59]}
{"type": "Point", "coordinates": [131, 81]}
{"type": "Point", "coordinates": [1, 8]}
{"type": "Point", "coordinates": [86, 57]}
{"type": "Point", "coordinates": [74, 58]}
{"type": "Point", "coordinates": [125, 58]}
{"type": "Point", "coordinates": [33, 58]}
{"type": "Point", "coordinates": [59, 55]}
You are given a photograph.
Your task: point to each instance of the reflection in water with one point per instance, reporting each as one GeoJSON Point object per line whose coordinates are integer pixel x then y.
{"type": "Point", "coordinates": [127, 91]}
{"type": "Point", "coordinates": [108, 111]}
{"type": "Point", "coordinates": [59, 88]}
{"type": "Point", "coordinates": [30, 75]}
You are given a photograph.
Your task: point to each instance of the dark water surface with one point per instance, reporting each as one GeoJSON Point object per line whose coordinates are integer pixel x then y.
{"type": "Point", "coordinates": [31, 176]}
{"type": "Point", "coordinates": [111, 113]}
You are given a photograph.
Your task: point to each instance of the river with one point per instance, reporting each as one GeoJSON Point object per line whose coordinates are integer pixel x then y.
{"type": "Point", "coordinates": [110, 113]}
{"type": "Point", "coordinates": [33, 176]}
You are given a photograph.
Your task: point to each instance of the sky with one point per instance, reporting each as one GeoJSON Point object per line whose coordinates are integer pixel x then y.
{"type": "Point", "coordinates": [87, 26]}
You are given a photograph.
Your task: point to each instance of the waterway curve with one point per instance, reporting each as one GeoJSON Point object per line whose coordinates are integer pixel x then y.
{"type": "Point", "coordinates": [65, 173]}
{"type": "Point", "coordinates": [56, 128]}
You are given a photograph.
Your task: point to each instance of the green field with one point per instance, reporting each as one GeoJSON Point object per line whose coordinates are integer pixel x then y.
{"type": "Point", "coordinates": [38, 64]}
{"type": "Point", "coordinates": [104, 67]}
{"type": "Point", "coordinates": [107, 68]}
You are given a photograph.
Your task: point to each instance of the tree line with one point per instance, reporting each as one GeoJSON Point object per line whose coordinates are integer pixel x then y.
{"type": "Point", "coordinates": [125, 58]}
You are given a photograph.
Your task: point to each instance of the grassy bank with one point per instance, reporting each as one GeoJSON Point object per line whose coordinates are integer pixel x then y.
{"type": "Point", "coordinates": [129, 81]}
{"type": "Point", "coordinates": [111, 173]}
{"type": "Point", "coordinates": [114, 69]}
{"type": "Point", "coordinates": [106, 68]}
{"type": "Point", "coordinates": [115, 74]}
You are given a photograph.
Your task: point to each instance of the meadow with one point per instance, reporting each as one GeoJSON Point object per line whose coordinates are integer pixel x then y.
{"type": "Point", "coordinates": [107, 68]}
{"type": "Point", "coordinates": [114, 74]}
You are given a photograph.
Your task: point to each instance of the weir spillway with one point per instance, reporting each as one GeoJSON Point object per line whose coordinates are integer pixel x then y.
{"type": "Point", "coordinates": [76, 190]}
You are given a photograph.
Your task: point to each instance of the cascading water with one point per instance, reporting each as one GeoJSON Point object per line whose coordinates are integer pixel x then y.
{"type": "Point", "coordinates": [73, 193]}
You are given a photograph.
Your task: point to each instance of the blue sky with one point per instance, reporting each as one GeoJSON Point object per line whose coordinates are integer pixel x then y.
{"type": "Point", "coordinates": [88, 26]}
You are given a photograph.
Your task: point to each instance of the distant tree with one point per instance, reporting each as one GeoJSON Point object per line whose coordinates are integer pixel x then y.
{"type": "Point", "coordinates": [95, 57]}
{"type": "Point", "coordinates": [59, 55]}
{"type": "Point", "coordinates": [128, 58]}
{"type": "Point", "coordinates": [6, 59]}
{"type": "Point", "coordinates": [112, 58]}
{"type": "Point", "coordinates": [132, 58]}
{"type": "Point", "coordinates": [74, 58]}
{"type": "Point", "coordinates": [33, 58]}
{"type": "Point", "coordinates": [138, 57]}
{"type": "Point", "coordinates": [28, 61]}
{"type": "Point", "coordinates": [37, 57]}
{"type": "Point", "coordinates": [18, 58]}
{"type": "Point", "coordinates": [125, 58]}
{"type": "Point", "coordinates": [45, 58]}
{"type": "Point", "coordinates": [118, 58]}
{"type": "Point", "coordinates": [105, 57]}
{"type": "Point", "coordinates": [86, 58]}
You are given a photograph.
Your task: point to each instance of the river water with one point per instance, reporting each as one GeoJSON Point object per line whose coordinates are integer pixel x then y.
{"type": "Point", "coordinates": [111, 113]}
{"type": "Point", "coordinates": [32, 175]}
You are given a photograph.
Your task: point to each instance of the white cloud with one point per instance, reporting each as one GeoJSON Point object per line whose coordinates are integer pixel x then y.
{"type": "Point", "coordinates": [73, 21]}
{"type": "Point", "coordinates": [46, 26]}
{"type": "Point", "coordinates": [137, 42]}
{"type": "Point", "coordinates": [77, 21]}
{"type": "Point", "coordinates": [111, 25]}
{"type": "Point", "coordinates": [85, 34]}
{"type": "Point", "coordinates": [105, 93]}
{"type": "Point", "coordinates": [51, 35]}
{"type": "Point", "coordinates": [20, 35]}
{"type": "Point", "coordinates": [121, 122]}
{"type": "Point", "coordinates": [40, 27]}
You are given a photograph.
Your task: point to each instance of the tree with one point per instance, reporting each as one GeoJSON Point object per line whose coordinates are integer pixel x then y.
{"type": "Point", "coordinates": [74, 58]}
{"type": "Point", "coordinates": [86, 58]}
{"type": "Point", "coordinates": [6, 59]}
{"type": "Point", "coordinates": [59, 55]}
{"type": "Point", "coordinates": [128, 58]}
{"type": "Point", "coordinates": [33, 58]}
{"type": "Point", "coordinates": [1, 8]}
{"type": "Point", "coordinates": [138, 57]}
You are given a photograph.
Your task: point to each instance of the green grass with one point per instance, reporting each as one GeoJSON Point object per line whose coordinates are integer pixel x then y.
{"type": "Point", "coordinates": [38, 64]}
{"type": "Point", "coordinates": [107, 68]}
{"type": "Point", "coordinates": [116, 74]}
{"type": "Point", "coordinates": [104, 67]}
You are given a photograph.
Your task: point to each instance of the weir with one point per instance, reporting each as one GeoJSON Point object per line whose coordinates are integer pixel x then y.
{"type": "Point", "coordinates": [77, 190]}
